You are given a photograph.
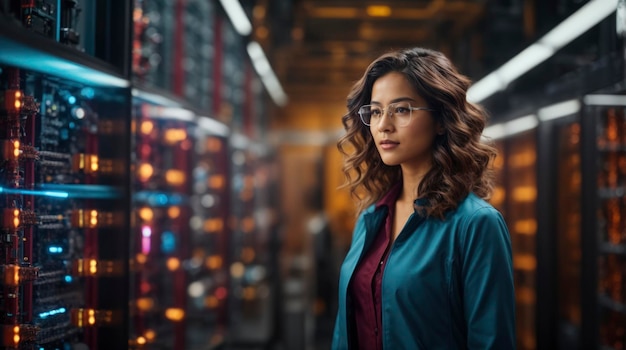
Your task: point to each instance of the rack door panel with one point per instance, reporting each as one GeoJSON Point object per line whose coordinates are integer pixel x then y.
{"type": "Point", "coordinates": [610, 121]}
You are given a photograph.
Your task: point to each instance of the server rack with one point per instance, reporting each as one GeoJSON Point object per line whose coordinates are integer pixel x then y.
{"type": "Point", "coordinates": [515, 196]}
{"type": "Point", "coordinates": [64, 181]}
{"type": "Point", "coordinates": [568, 233]}
{"type": "Point", "coordinates": [115, 187]}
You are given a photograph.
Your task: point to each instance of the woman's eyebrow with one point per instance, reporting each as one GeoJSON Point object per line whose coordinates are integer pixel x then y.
{"type": "Point", "coordinates": [399, 99]}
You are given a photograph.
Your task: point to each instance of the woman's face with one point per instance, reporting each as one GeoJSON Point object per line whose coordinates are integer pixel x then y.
{"type": "Point", "coordinates": [410, 145]}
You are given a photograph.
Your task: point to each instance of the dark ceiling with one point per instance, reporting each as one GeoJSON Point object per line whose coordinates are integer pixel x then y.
{"type": "Point", "coordinates": [321, 44]}
{"type": "Point", "coordinates": [320, 47]}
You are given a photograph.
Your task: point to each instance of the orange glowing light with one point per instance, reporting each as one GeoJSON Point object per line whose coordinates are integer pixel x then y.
{"type": "Point", "coordinates": [18, 103]}
{"type": "Point", "coordinates": [141, 258]}
{"type": "Point", "coordinates": [216, 181]}
{"type": "Point", "coordinates": [147, 127]}
{"type": "Point", "coordinates": [173, 212]}
{"type": "Point", "coordinates": [145, 304]}
{"type": "Point", "coordinates": [92, 317]}
{"type": "Point", "coordinates": [523, 159]}
{"type": "Point", "coordinates": [94, 218]}
{"type": "Point", "coordinates": [175, 177]}
{"type": "Point", "coordinates": [498, 195]}
{"type": "Point", "coordinates": [525, 227]}
{"type": "Point", "coordinates": [175, 314]}
{"type": "Point", "coordinates": [150, 334]}
{"type": "Point", "coordinates": [526, 262]}
{"type": "Point", "coordinates": [16, 275]}
{"type": "Point", "coordinates": [145, 171]}
{"type": "Point", "coordinates": [524, 193]}
{"type": "Point", "coordinates": [141, 340]}
{"type": "Point", "coordinates": [146, 214]}
{"type": "Point", "coordinates": [213, 225]}
{"type": "Point", "coordinates": [16, 149]}
{"type": "Point", "coordinates": [12, 275]}
{"type": "Point", "coordinates": [16, 218]}
{"type": "Point", "coordinates": [175, 135]}
{"type": "Point", "coordinates": [173, 264]}
{"type": "Point", "coordinates": [213, 262]}
{"type": "Point", "coordinates": [379, 11]}
{"type": "Point", "coordinates": [93, 162]}
{"type": "Point", "coordinates": [93, 266]}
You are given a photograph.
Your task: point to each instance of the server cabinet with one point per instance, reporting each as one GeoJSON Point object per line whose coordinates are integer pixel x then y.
{"type": "Point", "coordinates": [161, 245]}
{"type": "Point", "coordinates": [588, 160]}
{"type": "Point", "coordinates": [515, 196]}
{"type": "Point", "coordinates": [63, 185]}
{"type": "Point", "coordinates": [563, 200]}
{"type": "Point", "coordinates": [604, 233]}
{"type": "Point", "coordinates": [209, 272]}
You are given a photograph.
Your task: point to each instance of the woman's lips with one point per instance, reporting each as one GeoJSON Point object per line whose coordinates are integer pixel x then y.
{"type": "Point", "coordinates": [387, 144]}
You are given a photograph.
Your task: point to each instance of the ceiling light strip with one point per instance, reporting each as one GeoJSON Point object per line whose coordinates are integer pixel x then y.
{"type": "Point", "coordinates": [237, 16]}
{"type": "Point", "coordinates": [559, 110]}
{"type": "Point", "coordinates": [266, 73]}
{"type": "Point", "coordinates": [605, 100]}
{"type": "Point", "coordinates": [571, 28]}
{"type": "Point", "coordinates": [512, 127]}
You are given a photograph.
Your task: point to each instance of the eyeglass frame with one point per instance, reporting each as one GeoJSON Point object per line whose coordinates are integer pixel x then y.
{"type": "Point", "coordinates": [386, 110]}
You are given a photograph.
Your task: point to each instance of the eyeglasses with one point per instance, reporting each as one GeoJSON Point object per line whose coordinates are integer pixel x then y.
{"type": "Point", "coordinates": [399, 113]}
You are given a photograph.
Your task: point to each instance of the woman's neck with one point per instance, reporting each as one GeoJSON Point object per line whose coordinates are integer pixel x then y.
{"type": "Point", "coordinates": [411, 180]}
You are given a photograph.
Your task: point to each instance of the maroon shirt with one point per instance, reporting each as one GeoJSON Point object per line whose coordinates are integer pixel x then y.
{"type": "Point", "coordinates": [365, 286]}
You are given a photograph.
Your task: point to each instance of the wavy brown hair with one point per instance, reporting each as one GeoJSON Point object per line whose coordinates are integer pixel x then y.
{"type": "Point", "coordinates": [461, 162]}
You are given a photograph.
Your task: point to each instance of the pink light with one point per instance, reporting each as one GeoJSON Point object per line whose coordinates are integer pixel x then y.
{"type": "Point", "coordinates": [146, 232]}
{"type": "Point", "coordinates": [145, 245]}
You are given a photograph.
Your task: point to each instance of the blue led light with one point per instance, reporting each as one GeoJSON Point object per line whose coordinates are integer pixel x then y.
{"type": "Point", "coordinates": [88, 92]}
{"type": "Point", "coordinates": [83, 191]}
{"type": "Point", "coordinates": [34, 193]}
{"type": "Point", "coordinates": [52, 312]}
{"type": "Point", "coordinates": [71, 99]}
{"type": "Point", "coordinates": [55, 249]}
{"type": "Point", "coordinates": [159, 199]}
{"type": "Point", "coordinates": [168, 242]}
{"type": "Point", "coordinates": [68, 279]}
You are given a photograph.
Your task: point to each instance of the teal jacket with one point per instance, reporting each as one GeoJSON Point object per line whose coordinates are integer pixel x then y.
{"type": "Point", "coordinates": [448, 284]}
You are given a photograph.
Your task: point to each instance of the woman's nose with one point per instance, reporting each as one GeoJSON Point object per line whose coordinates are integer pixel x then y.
{"type": "Point", "coordinates": [386, 122]}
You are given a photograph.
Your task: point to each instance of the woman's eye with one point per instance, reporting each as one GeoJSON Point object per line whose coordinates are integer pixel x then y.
{"type": "Point", "coordinates": [376, 112]}
{"type": "Point", "coordinates": [401, 110]}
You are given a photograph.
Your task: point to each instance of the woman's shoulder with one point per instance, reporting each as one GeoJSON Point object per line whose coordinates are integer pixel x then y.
{"type": "Point", "coordinates": [473, 205]}
{"type": "Point", "coordinates": [475, 211]}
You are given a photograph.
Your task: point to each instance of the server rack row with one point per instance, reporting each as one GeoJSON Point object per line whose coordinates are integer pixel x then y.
{"type": "Point", "coordinates": [560, 186]}
{"type": "Point", "coordinates": [131, 218]}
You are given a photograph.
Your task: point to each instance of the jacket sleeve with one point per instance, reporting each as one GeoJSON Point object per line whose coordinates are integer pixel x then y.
{"type": "Point", "coordinates": [487, 277]}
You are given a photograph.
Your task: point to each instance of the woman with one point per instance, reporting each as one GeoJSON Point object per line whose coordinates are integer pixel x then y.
{"type": "Point", "coordinates": [429, 266]}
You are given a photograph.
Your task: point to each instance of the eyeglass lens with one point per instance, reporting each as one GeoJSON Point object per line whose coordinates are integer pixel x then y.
{"type": "Point", "coordinates": [399, 112]}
